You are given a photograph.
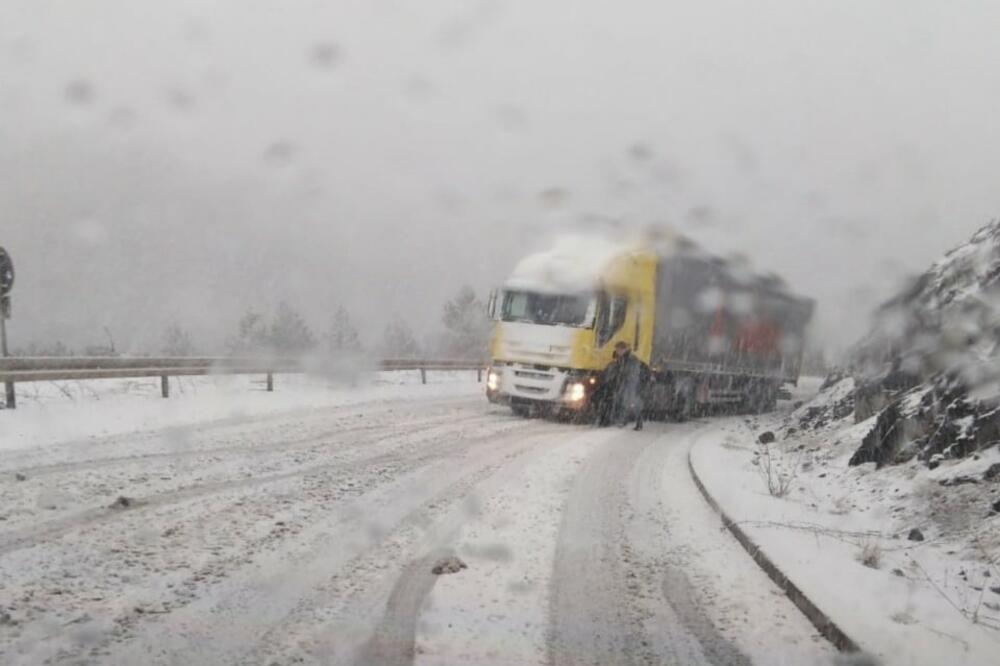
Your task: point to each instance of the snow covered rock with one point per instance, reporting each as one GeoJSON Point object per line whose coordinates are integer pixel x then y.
{"type": "Point", "coordinates": [833, 403]}
{"type": "Point", "coordinates": [929, 371]}
{"type": "Point", "coordinates": [448, 565]}
{"type": "Point", "coordinates": [122, 503]}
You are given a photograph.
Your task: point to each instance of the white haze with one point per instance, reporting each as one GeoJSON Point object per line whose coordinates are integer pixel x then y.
{"type": "Point", "coordinates": [183, 161]}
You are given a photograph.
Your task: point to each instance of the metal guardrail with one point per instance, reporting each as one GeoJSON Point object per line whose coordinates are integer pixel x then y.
{"type": "Point", "coordinates": [41, 369]}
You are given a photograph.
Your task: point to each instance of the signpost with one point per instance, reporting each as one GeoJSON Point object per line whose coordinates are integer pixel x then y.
{"type": "Point", "coordinates": [6, 285]}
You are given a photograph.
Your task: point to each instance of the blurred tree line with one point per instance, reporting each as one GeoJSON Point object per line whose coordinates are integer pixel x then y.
{"type": "Point", "coordinates": [464, 335]}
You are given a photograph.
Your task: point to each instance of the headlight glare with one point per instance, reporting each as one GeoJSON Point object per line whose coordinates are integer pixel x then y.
{"type": "Point", "coordinates": [493, 380]}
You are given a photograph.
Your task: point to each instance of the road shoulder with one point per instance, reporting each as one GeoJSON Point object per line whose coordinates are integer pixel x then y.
{"type": "Point", "coordinates": [896, 618]}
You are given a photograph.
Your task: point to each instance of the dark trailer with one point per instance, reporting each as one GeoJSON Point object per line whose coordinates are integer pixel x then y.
{"type": "Point", "coordinates": [722, 334]}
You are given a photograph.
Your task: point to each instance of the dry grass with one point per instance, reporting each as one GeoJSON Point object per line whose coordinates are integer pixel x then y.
{"type": "Point", "coordinates": [871, 554]}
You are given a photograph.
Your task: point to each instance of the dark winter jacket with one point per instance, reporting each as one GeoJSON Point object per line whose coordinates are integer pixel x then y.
{"type": "Point", "coordinates": [634, 378]}
{"type": "Point", "coordinates": [627, 379]}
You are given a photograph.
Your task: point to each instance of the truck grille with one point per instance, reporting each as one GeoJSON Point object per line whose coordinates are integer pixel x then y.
{"type": "Point", "coordinates": [527, 374]}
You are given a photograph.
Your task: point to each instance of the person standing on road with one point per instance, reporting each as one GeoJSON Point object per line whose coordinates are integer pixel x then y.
{"type": "Point", "coordinates": [631, 376]}
{"type": "Point", "coordinates": [607, 393]}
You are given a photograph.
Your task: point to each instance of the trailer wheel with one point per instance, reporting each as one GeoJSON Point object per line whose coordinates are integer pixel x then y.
{"type": "Point", "coordinates": [683, 406]}
{"type": "Point", "coordinates": [763, 398]}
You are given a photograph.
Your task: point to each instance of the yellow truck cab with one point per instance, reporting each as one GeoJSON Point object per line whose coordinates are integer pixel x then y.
{"type": "Point", "coordinates": [558, 319]}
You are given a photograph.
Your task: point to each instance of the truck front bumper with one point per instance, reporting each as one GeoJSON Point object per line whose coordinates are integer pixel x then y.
{"type": "Point", "coordinates": [522, 384]}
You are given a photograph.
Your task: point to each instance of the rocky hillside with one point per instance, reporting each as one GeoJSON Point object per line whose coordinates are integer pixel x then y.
{"type": "Point", "coordinates": [930, 368]}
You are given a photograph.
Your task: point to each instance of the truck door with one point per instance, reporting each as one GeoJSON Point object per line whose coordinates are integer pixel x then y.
{"type": "Point", "coordinates": [492, 307]}
{"type": "Point", "coordinates": [614, 307]}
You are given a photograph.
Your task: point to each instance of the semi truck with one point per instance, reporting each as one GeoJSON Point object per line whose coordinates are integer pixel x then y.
{"type": "Point", "coordinates": [712, 332]}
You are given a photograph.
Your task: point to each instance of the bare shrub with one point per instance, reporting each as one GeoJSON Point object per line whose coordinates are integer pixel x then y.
{"type": "Point", "coordinates": [776, 476]}
{"type": "Point", "coordinates": [64, 390]}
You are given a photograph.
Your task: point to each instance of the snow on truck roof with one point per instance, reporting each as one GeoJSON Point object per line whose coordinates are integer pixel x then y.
{"type": "Point", "coordinates": [574, 264]}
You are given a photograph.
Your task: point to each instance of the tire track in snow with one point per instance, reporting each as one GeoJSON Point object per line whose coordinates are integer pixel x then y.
{"type": "Point", "coordinates": [17, 539]}
{"type": "Point", "coordinates": [497, 610]}
{"type": "Point", "coordinates": [242, 429]}
{"type": "Point", "coordinates": [671, 606]}
{"type": "Point", "coordinates": [394, 642]}
{"type": "Point", "coordinates": [614, 599]}
{"type": "Point", "coordinates": [290, 591]}
{"type": "Point", "coordinates": [144, 458]}
{"type": "Point", "coordinates": [394, 639]}
{"type": "Point", "coordinates": [591, 621]}
{"type": "Point", "coordinates": [353, 611]}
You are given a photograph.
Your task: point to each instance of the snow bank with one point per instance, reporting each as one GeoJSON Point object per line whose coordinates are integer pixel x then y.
{"type": "Point", "coordinates": [902, 558]}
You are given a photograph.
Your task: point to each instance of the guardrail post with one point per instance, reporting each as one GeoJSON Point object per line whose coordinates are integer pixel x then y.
{"type": "Point", "coordinates": [165, 386]}
{"type": "Point", "coordinates": [479, 375]}
{"type": "Point", "coordinates": [270, 382]}
{"type": "Point", "coordinates": [423, 375]}
{"type": "Point", "coordinates": [10, 397]}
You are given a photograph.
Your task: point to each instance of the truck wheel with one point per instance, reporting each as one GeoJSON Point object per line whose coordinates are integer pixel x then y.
{"type": "Point", "coordinates": [762, 399]}
{"type": "Point", "coordinates": [521, 410]}
{"type": "Point", "coordinates": [682, 404]}
{"type": "Point", "coordinates": [683, 409]}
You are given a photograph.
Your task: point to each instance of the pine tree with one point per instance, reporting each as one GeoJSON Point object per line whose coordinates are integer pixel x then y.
{"type": "Point", "coordinates": [398, 340]}
{"type": "Point", "coordinates": [252, 336]}
{"type": "Point", "coordinates": [467, 326]}
{"type": "Point", "coordinates": [342, 336]}
{"type": "Point", "coordinates": [289, 332]}
{"type": "Point", "coordinates": [177, 342]}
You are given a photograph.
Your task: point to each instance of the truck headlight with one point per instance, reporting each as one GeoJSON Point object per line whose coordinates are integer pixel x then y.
{"type": "Point", "coordinates": [577, 392]}
{"type": "Point", "coordinates": [493, 380]}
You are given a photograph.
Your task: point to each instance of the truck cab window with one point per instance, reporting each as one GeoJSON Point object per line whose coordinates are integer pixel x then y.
{"type": "Point", "coordinates": [576, 310]}
{"type": "Point", "coordinates": [612, 318]}
{"type": "Point", "coordinates": [492, 311]}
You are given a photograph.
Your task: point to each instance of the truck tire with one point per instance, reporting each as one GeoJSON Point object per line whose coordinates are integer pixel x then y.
{"type": "Point", "coordinates": [683, 407]}
{"type": "Point", "coordinates": [763, 398]}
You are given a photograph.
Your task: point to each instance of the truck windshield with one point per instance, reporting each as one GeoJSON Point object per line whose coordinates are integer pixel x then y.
{"type": "Point", "coordinates": [551, 309]}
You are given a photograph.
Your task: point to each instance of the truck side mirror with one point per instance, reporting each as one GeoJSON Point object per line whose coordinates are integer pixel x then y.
{"type": "Point", "coordinates": [491, 306]}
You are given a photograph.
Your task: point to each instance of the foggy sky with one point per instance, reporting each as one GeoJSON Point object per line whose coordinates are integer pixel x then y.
{"type": "Point", "coordinates": [183, 161]}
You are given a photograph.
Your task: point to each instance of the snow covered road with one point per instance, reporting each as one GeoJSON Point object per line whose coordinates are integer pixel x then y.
{"type": "Point", "coordinates": [310, 535]}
